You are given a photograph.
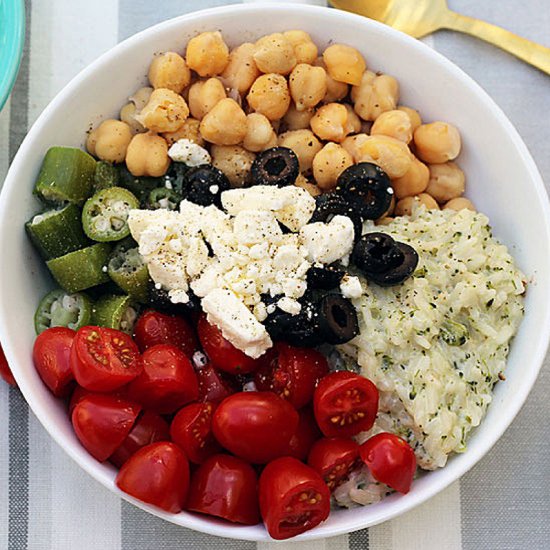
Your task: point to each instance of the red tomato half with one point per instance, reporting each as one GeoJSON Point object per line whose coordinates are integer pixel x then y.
{"type": "Point", "coordinates": [334, 458]}
{"type": "Point", "coordinates": [154, 328]}
{"type": "Point", "coordinates": [51, 356]}
{"type": "Point", "coordinates": [102, 422]}
{"type": "Point", "coordinates": [293, 498]}
{"type": "Point", "coordinates": [227, 487]}
{"type": "Point", "coordinates": [390, 460]}
{"type": "Point", "coordinates": [149, 428]}
{"type": "Point", "coordinates": [256, 426]}
{"type": "Point", "coordinates": [345, 404]}
{"type": "Point", "coordinates": [214, 385]}
{"type": "Point", "coordinates": [292, 374]}
{"type": "Point", "coordinates": [5, 371]}
{"type": "Point", "coordinates": [191, 430]}
{"type": "Point", "coordinates": [168, 380]}
{"type": "Point", "coordinates": [157, 474]}
{"type": "Point", "coordinates": [104, 359]}
{"type": "Point", "coordinates": [307, 433]}
{"type": "Point", "coordinates": [223, 354]}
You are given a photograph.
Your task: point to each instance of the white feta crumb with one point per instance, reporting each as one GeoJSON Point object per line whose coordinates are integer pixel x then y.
{"type": "Point", "coordinates": [289, 305]}
{"type": "Point", "coordinates": [351, 287]}
{"type": "Point", "coordinates": [184, 150]}
{"type": "Point", "coordinates": [256, 226]}
{"type": "Point", "coordinates": [250, 386]}
{"type": "Point", "coordinates": [104, 269]}
{"type": "Point", "coordinates": [158, 286]}
{"type": "Point", "coordinates": [199, 360]}
{"type": "Point", "coordinates": [214, 189]}
{"type": "Point", "coordinates": [168, 184]}
{"type": "Point", "coordinates": [271, 308]}
{"type": "Point", "coordinates": [260, 312]}
{"type": "Point", "coordinates": [178, 296]}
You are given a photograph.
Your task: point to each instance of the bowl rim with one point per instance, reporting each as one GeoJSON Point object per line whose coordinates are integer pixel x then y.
{"type": "Point", "coordinates": [15, 45]}
{"type": "Point", "coordinates": [404, 503]}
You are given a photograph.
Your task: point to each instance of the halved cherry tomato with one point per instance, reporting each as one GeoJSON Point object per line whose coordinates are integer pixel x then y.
{"type": "Point", "coordinates": [227, 487]}
{"type": "Point", "coordinates": [256, 426]}
{"type": "Point", "coordinates": [293, 498]}
{"type": "Point", "coordinates": [154, 328]}
{"type": "Point", "coordinates": [104, 359]}
{"type": "Point", "coordinates": [76, 397]}
{"type": "Point", "coordinates": [168, 380]}
{"type": "Point", "coordinates": [149, 428]}
{"type": "Point", "coordinates": [390, 459]}
{"type": "Point", "coordinates": [214, 385]}
{"type": "Point", "coordinates": [223, 354]}
{"type": "Point", "coordinates": [334, 458]}
{"type": "Point", "coordinates": [5, 371]}
{"type": "Point", "coordinates": [102, 422]}
{"type": "Point", "coordinates": [51, 356]}
{"type": "Point", "coordinates": [307, 433]}
{"type": "Point", "coordinates": [191, 429]}
{"type": "Point", "coordinates": [292, 374]}
{"type": "Point", "coordinates": [345, 404]}
{"type": "Point", "coordinates": [157, 474]}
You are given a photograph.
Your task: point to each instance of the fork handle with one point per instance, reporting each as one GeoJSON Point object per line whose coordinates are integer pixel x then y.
{"type": "Point", "coordinates": [530, 52]}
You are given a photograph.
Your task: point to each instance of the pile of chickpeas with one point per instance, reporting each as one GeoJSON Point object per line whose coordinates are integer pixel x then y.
{"type": "Point", "coordinates": [330, 110]}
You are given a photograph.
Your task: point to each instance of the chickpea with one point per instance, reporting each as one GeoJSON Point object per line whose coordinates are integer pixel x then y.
{"type": "Point", "coordinates": [141, 97]}
{"type": "Point", "coordinates": [110, 140]}
{"type": "Point", "coordinates": [274, 54]}
{"type": "Point", "coordinates": [404, 206]}
{"type": "Point", "coordinates": [353, 124]}
{"type": "Point", "coordinates": [396, 124]}
{"type": "Point", "coordinates": [190, 130]}
{"type": "Point", "coordinates": [329, 122]}
{"type": "Point", "coordinates": [344, 63]}
{"type": "Point", "coordinates": [375, 95]}
{"type": "Point", "coordinates": [437, 142]}
{"type": "Point", "coordinates": [414, 115]}
{"type": "Point", "coordinates": [269, 96]}
{"type": "Point", "coordinates": [354, 146]}
{"type": "Point", "coordinates": [304, 183]}
{"type": "Point", "coordinates": [165, 111]}
{"type": "Point", "coordinates": [234, 161]}
{"type": "Point", "coordinates": [203, 96]}
{"type": "Point", "coordinates": [170, 71]}
{"type": "Point", "coordinates": [460, 203]}
{"type": "Point", "coordinates": [335, 90]}
{"type": "Point", "coordinates": [207, 54]}
{"type": "Point", "coordinates": [308, 86]}
{"type": "Point", "coordinates": [147, 155]}
{"type": "Point", "coordinates": [386, 220]}
{"type": "Point", "coordinates": [131, 110]}
{"type": "Point", "coordinates": [328, 164]}
{"type": "Point", "coordinates": [389, 211]}
{"type": "Point", "coordinates": [392, 155]}
{"type": "Point", "coordinates": [225, 124]}
{"type": "Point", "coordinates": [305, 49]}
{"type": "Point", "coordinates": [297, 120]}
{"type": "Point", "coordinates": [446, 182]}
{"type": "Point", "coordinates": [259, 133]}
{"type": "Point", "coordinates": [241, 71]}
{"type": "Point", "coordinates": [304, 144]}
{"type": "Point", "coordinates": [413, 182]}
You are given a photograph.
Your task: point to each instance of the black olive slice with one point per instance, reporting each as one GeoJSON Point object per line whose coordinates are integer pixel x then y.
{"type": "Point", "coordinates": [275, 166]}
{"type": "Point", "coordinates": [205, 184]}
{"type": "Point", "coordinates": [333, 204]}
{"type": "Point", "coordinates": [338, 321]}
{"type": "Point", "coordinates": [324, 278]}
{"type": "Point", "coordinates": [376, 253]}
{"type": "Point", "coordinates": [400, 273]}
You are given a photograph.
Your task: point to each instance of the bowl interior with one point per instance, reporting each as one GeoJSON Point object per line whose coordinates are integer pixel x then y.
{"type": "Point", "coordinates": [502, 180]}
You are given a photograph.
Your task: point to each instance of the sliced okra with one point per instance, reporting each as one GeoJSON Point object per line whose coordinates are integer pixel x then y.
{"type": "Point", "coordinates": [128, 270]}
{"type": "Point", "coordinates": [105, 215]}
{"type": "Point", "coordinates": [161, 197]}
{"type": "Point", "coordinates": [116, 312]}
{"type": "Point", "coordinates": [105, 176]}
{"type": "Point", "coordinates": [66, 175]}
{"type": "Point", "coordinates": [81, 269]}
{"type": "Point", "coordinates": [60, 309]}
{"type": "Point", "coordinates": [57, 232]}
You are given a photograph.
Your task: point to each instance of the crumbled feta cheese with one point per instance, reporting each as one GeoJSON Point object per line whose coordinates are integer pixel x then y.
{"type": "Point", "coordinates": [178, 296]}
{"type": "Point", "coordinates": [199, 360]}
{"type": "Point", "coordinates": [260, 312]}
{"type": "Point", "coordinates": [256, 226]}
{"type": "Point", "coordinates": [224, 309]}
{"type": "Point", "coordinates": [328, 242]}
{"type": "Point", "coordinates": [289, 305]}
{"type": "Point", "coordinates": [184, 150]}
{"type": "Point", "coordinates": [351, 287]}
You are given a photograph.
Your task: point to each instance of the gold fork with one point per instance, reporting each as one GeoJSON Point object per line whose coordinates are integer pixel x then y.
{"type": "Point", "coordinates": [421, 17]}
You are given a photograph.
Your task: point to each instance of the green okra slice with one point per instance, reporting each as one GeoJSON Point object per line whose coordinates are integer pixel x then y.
{"type": "Point", "coordinates": [161, 197]}
{"type": "Point", "coordinates": [105, 215]}
{"type": "Point", "coordinates": [116, 312]}
{"type": "Point", "coordinates": [128, 270]}
{"type": "Point", "coordinates": [57, 232]}
{"type": "Point", "coordinates": [67, 175]}
{"type": "Point", "coordinates": [81, 269]}
{"type": "Point", "coordinates": [106, 175]}
{"type": "Point", "coordinates": [60, 309]}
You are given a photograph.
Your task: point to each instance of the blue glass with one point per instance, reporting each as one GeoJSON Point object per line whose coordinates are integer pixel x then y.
{"type": "Point", "coordinates": [12, 39]}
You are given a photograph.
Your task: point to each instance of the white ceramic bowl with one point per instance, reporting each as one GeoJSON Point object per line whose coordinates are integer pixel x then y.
{"type": "Point", "coordinates": [502, 181]}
